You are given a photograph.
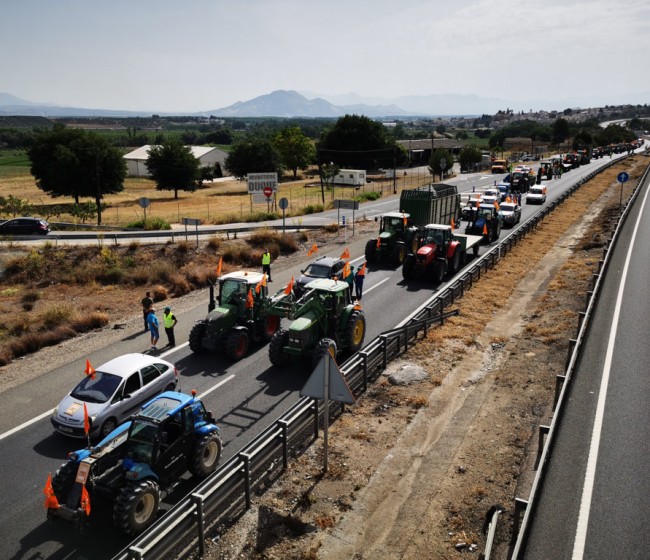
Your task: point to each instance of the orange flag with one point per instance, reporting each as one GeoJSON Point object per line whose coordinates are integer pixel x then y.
{"type": "Point", "coordinates": [362, 270]}
{"type": "Point", "coordinates": [404, 219]}
{"type": "Point", "coordinates": [314, 249]}
{"type": "Point", "coordinates": [219, 266]}
{"type": "Point", "coordinates": [250, 302]}
{"type": "Point", "coordinates": [346, 270]}
{"type": "Point", "coordinates": [260, 284]}
{"type": "Point", "coordinates": [86, 420]}
{"type": "Point", "coordinates": [345, 254]}
{"type": "Point", "coordinates": [453, 225]}
{"type": "Point", "coordinates": [378, 243]}
{"type": "Point", "coordinates": [485, 231]}
{"type": "Point", "coordinates": [289, 287]}
{"type": "Point", "coordinates": [90, 370]}
{"type": "Point", "coordinates": [50, 498]}
{"type": "Point", "coordinates": [85, 500]}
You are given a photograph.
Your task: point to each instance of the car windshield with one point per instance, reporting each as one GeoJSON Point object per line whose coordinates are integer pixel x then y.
{"type": "Point", "coordinates": [98, 390]}
{"type": "Point", "coordinates": [505, 207]}
{"type": "Point", "coordinates": [317, 270]}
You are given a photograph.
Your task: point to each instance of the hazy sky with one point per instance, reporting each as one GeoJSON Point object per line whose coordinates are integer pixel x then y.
{"type": "Point", "coordinates": [196, 55]}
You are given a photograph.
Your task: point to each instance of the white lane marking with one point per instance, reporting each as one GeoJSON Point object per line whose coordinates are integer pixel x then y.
{"type": "Point", "coordinates": [25, 424]}
{"type": "Point", "coordinates": [174, 349]}
{"type": "Point", "coordinates": [376, 285]}
{"type": "Point", "coordinates": [222, 382]}
{"type": "Point", "coordinates": [587, 489]}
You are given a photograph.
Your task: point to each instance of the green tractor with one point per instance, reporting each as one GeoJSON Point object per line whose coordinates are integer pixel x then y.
{"type": "Point", "coordinates": [232, 324]}
{"type": "Point", "coordinates": [324, 319]}
{"type": "Point", "coordinates": [397, 238]}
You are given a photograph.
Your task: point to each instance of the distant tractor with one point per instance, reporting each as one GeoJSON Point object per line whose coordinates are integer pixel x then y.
{"type": "Point", "coordinates": [232, 324]}
{"type": "Point", "coordinates": [486, 221]}
{"type": "Point", "coordinates": [442, 252]}
{"type": "Point", "coordinates": [396, 238]}
{"type": "Point", "coordinates": [324, 319]}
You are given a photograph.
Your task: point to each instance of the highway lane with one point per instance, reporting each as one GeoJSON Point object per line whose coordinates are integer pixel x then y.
{"type": "Point", "coordinates": [594, 500]}
{"type": "Point", "coordinates": [252, 395]}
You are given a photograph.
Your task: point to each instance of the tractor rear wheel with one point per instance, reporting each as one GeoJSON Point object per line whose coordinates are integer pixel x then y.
{"type": "Point", "coordinates": [269, 326]}
{"type": "Point", "coordinates": [196, 336]}
{"type": "Point", "coordinates": [63, 480]}
{"type": "Point", "coordinates": [136, 507]}
{"type": "Point", "coordinates": [276, 348]}
{"type": "Point", "coordinates": [408, 268]}
{"type": "Point", "coordinates": [237, 344]}
{"type": "Point", "coordinates": [206, 455]}
{"type": "Point", "coordinates": [371, 251]}
{"type": "Point", "coordinates": [355, 331]}
{"type": "Point", "coordinates": [324, 346]}
{"type": "Point", "coordinates": [439, 270]}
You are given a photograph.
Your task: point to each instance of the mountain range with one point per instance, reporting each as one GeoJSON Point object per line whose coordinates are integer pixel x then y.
{"type": "Point", "coordinates": [283, 103]}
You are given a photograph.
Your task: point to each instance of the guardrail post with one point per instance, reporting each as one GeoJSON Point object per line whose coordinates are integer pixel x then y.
{"type": "Point", "coordinates": [406, 339]}
{"type": "Point", "coordinates": [285, 442]}
{"type": "Point", "coordinates": [594, 280]}
{"type": "Point", "coordinates": [316, 407]}
{"type": "Point", "coordinates": [543, 430]}
{"type": "Point", "coordinates": [520, 507]}
{"type": "Point", "coordinates": [384, 350]}
{"type": "Point", "coordinates": [492, 529]}
{"type": "Point", "coordinates": [135, 553]}
{"type": "Point", "coordinates": [246, 458]}
{"type": "Point", "coordinates": [600, 266]}
{"type": "Point", "coordinates": [581, 319]}
{"type": "Point", "coordinates": [364, 362]}
{"type": "Point", "coordinates": [197, 499]}
{"type": "Point", "coordinates": [559, 382]}
{"type": "Point", "coordinates": [590, 294]}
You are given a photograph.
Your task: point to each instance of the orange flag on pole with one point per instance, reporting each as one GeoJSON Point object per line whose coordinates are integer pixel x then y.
{"type": "Point", "coordinates": [50, 498]}
{"type": "Point", "coordinates": [453, 225]}
{"type": "Point", "coordinates": [345, 254]}
{"type": "Point", "coordinates": [289, 287]}
{"type": "Point", "coordinates": [250, 302]}
{"type": "Point", "coordinates": [404, 219]}
{"type": "Point", "coordinates": [85, 500]}
{"type": "Point", "coordinates": [260, 284]}
{"type": "Point", "coordinates": [346, 270]}
{"type": "Point", "coordinates": [362, 270]}
{"type": "Point", "coordinates": [90, 370]}
{"type": "Point", "coordinates": [86, 420]}
{"type": "Point", "coordinates": [219, 266]}
{"type": "Point", "coordinates": [485, 230]}
{"type": "Point", "coordinates": [314, 249]}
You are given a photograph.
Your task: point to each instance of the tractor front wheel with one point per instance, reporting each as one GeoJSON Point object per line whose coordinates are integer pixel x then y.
{"type": "Point", "coordinates": [276, 348]}
{"type": "Point", "coordinates": [237, 344]}
{"type": "Point", "coordinates": [408, 268]}
{"type": "Point", "coordinates": [196, 337]}
{"type": "Point", "coordinates": [269, 327]}
{"type": "Point", "coordinates": [206, 455]}
{"type": "Point", "coordinates": [355, 331]}
{"type": "Point", "coordinates": [371, 251]}
{"type": "Point", "coordinates": [136, 507]}
{"type": "Point", "coordinates": [324, 346]}
{"type": "Point", "coordinates": [439, 270]}
{"type": "Point", "coordinates": [398, 254]}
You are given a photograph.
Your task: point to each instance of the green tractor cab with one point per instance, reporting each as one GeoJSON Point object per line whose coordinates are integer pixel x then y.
{"type": "Point", "coordinates": [232, 324]}
{"type": "Point", "coordinates": [324, 319]}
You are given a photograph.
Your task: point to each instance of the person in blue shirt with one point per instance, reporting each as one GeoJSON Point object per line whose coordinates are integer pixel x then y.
{"type": "Point", "coordinates": [152, 321]}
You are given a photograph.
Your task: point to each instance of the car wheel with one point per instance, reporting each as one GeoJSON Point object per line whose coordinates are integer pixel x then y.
{"type": "Point", "coordinates": [107, 427]}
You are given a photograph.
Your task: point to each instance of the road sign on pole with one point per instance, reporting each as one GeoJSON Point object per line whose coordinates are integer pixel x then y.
{"type": "Point", "coordinates": [623, 177]}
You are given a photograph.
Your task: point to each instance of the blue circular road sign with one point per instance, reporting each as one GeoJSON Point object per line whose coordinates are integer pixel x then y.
{"type": "Point", "coordinates": [622, 177]}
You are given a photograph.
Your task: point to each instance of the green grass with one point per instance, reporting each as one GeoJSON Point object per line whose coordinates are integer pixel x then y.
{"type": "Point", "coordinates": [14, 162]}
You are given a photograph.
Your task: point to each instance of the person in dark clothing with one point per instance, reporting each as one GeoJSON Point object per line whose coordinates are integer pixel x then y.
{"type": "Point", "coordinates": [169, 320]}
{"type": "Point", "coordinates": [147, 302]}
{"type": "Point", "coordinates": [359, 277]}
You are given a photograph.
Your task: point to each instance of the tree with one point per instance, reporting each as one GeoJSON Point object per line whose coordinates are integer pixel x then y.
{"type": "Point", "coordinates": [469, 156]}
{"type": "Point", "coordinates": [296, 150]}
{"type": "Point", "coordinates": [327, 173]}
{"type": "Point", "coordinates": [75, 163]}
{"type": "Point", "coordinates": [436, 157]}
{"type": "Point", "coordinates": [173, 167]}
{"type": "Point", "coordinates": [560, 131]}
{"type": "Point", "coordinates": [497, 139]}
{"type": "Point", "coordinates": [254, 155]}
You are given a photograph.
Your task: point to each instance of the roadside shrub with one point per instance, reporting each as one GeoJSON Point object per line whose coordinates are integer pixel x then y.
{"type": "Point", "coordinates": [108, 257]}
{"type": "Point", "coordinates": [331, 228]}
{"type": "Point", "coordinates": [161, 271]}
{"type": "Point", "coordinates": [183, 247]}
{"type": "Point", "coordinates": [179, 285]}
{"type": "Point", "coordinates": [214, 243]}
{"type": "Point", "coordinates": [238, 254]}
{"type": "Point", "coordinates": [372, 195]}
{"type": "Point", "coordinates": [140, 276]}
{"type": "Point", "coordinates": [128, 261]}
{"type": "Point", "coordinates": [302, 237]}
{"type": "Point", "coordinates": [56, 315]}
{"type": "Point", "coordinates": [159, 293]}
{"type": "Point", "coordinates": [111, 276]}
{"type": "Point", "coordinates": [133, 246]}
{"type": "Point", "coordinates": [85, 323]}
{"type": "Point", "coordinates": [150, 224]}
{"type": "Point", "coordinates": [197, 277]}
{"type": "Point", "coordinates": [30, 296]}
{"type": "Point", "coordinates": [263, 237]}
{"type": "Point", "coordinates": [313, 208]}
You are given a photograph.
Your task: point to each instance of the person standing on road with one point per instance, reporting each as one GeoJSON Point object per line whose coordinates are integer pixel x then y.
{"type": "Point", "coordinates": [147, 302]}
{"type": "Point", "coordinates": [266, 264]}
{"type": "Point", "coordinates": [359, 277]}
{"type": "Point", "coordinates": [152, 321]}
{"type": "Point", "coordinates": [169, 320]}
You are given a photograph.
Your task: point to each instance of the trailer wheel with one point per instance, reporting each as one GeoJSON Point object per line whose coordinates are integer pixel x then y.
{"type": "Point", "coordinates": [371, 251]}
{"type": "Point", "coordinates": [63, 480]}
{"type": "Point", "coordinates": [196, 336]}
{"type": "Point", "coordinates": [408, 268]}
{"type": "Point", "coordinates": [324, 346]}
{"type": "Point", "coordinates": [355, 331]}
{"type": "Point", "coordinates": [206, 455]}
{"type": "Point", "coordinates": [136, 507]}
{"type": "Point", "coordinates": [276, 348]}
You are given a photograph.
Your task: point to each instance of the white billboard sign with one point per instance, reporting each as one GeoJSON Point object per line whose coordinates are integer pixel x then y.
{"type": "Point", "coordinates": [257, 182]}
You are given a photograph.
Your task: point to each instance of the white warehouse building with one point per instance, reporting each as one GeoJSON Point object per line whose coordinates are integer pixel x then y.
{"type": "Point", "coordinates": [137, 159]}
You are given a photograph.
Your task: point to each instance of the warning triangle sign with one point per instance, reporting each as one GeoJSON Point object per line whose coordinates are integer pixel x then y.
{"type": "Point", "coordinates": [338, 388]}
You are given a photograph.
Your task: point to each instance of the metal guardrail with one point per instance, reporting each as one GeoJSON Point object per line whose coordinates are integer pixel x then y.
{"type": "Point", "coordinates": [227, 493]}
{"type": "Point", "coordinates": [575, 353]}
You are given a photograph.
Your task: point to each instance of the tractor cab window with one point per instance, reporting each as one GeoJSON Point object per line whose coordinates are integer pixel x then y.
{"type": "Point", "coordinates": [232, 290]}
{"type": "Point", "coordinates": [340, 302]}
{"type": "Point", "coordinates": [435, 236]}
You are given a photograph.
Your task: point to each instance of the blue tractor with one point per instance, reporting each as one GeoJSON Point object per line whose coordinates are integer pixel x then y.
{"type": "Point", "coordinates": [138, 463]}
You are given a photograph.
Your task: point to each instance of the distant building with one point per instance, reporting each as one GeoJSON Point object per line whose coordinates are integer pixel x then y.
{"type": "Point", "coordinates": [136, 161]}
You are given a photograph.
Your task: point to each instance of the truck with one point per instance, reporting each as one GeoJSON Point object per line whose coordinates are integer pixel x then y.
{"type": "Point", "coordinates": [486, 222]}
{"type": "Point", "coordinates": [442, 251]}
{"type": "Point", "coordinates": [400, 232]}
{"type": "Point", "coordinates": [324, 319]}
{"type": "Point", "coordinates": [137, 464]}
{"type": "Point", "coordinates": [231, 324]}
{"type": "Point", "coordinates": [500, 166]}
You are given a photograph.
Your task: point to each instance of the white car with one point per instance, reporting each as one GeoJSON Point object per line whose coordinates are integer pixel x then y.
{"type": "Point", "coordinates": [536, 195]}
{"type": "Point", "coordinates": [119, 389]}
{"type": "Point", "coordinates": [489, 196]}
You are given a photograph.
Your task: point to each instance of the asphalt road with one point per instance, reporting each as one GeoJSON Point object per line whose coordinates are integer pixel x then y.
{"type": "Point", "coordinates": [245, 398]}
{"type": "Point", "coordinates": [594, 503]}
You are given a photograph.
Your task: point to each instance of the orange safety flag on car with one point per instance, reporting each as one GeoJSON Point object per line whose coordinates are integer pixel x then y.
{"type": "Point", "coordinates": [289, 287]}
{"type": "Point", "coordinates": [219, 266]}
{"type": "Point", "coordinates": [314, 249]}
{"type": "Point", "coordinates": [362, 270]}
{"type": "Point", "coordinates": [485, 230]}
{"type": "Point", "coordinates": [90, 370]}
{"type": "Point", "coordinates": [250, 302]}
{"type": "Point", "coordinates": [346, 270]}
{"type": "Point", "coordinates": [50, 498]}
{"type": "Point", "coordinates": [345, 254]}
{"type": "Point", "coordinates": [85, 500]}
{"type": "Point", "coordinates": [86, 420]}
{"type": "Point", "coordinates": [260, 284]}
